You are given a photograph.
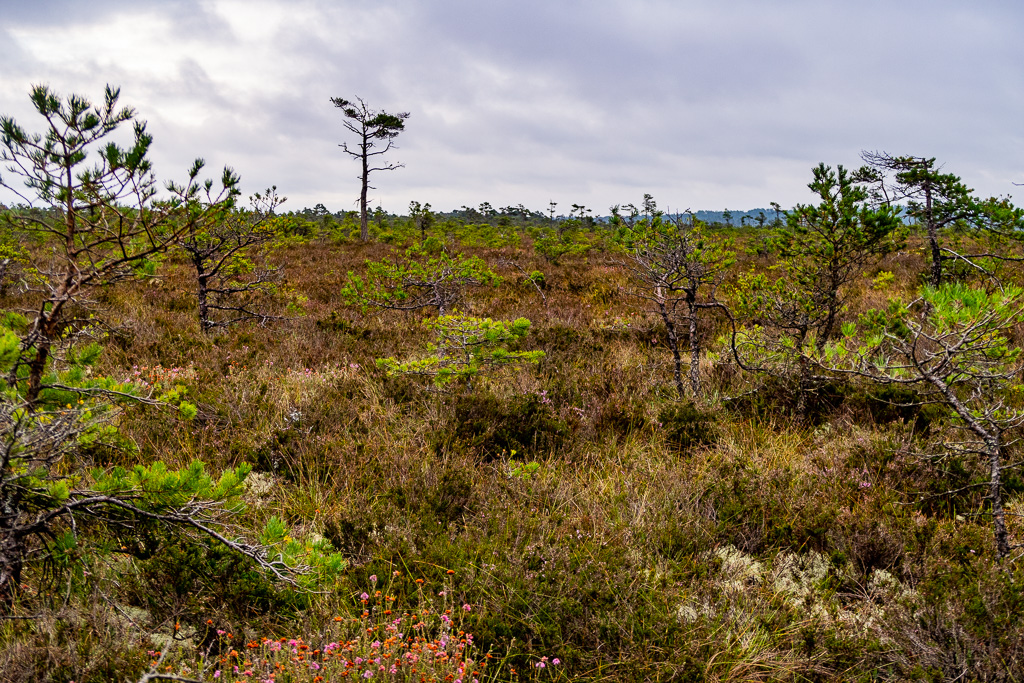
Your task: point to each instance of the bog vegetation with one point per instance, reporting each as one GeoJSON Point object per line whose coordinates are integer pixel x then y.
{"type": "Point", "coordinates": [246, 444]}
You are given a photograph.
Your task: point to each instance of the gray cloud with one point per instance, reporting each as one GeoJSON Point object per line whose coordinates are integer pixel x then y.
{"type": "Point", "coordinates": [703, 104]}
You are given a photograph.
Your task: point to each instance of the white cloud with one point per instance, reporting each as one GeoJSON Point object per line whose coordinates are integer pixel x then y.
{"type": "Point", "coordinates": [703, 104]}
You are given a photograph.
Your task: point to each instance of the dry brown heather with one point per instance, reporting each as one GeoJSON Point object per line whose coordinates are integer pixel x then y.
{"type": "Point", "coordinates": [652, 540]}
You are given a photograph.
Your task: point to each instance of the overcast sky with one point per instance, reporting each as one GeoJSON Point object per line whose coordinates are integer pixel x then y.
{"type": "Point", "coordinates": [703, 104]}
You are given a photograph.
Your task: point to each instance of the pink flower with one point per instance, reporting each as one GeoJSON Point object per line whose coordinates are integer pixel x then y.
{"type": "Point", "coordinates": [373, 578]}
{"type": "Point", "coordinates": [216, 674]}
{"type": "Point", "coordinates": [556, 661]}
{"type": "Point", "coordinates": [364, 596]}
{"type": "Point", "coordinates": [467, 607]}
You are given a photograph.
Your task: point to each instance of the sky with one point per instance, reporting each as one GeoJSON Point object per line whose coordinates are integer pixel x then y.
{"type": "Point", "coordinates": [703, 104]}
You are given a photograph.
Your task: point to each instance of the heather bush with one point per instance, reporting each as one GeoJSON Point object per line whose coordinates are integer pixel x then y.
{"type": "Point", "coordinates": [584, 513]}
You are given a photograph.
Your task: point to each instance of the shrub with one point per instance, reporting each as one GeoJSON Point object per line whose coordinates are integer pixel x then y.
{"type": "Point", "coordinates": [489, 427]}
{"type": "Point", "coordinates": [687, 427]}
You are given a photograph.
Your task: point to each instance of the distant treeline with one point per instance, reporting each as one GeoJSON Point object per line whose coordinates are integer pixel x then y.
{"type": "Point", "coordinates": [485, 211]}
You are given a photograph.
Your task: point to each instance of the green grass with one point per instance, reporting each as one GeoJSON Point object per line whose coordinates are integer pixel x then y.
{"type": "Point", "coordinates": [647, 540]}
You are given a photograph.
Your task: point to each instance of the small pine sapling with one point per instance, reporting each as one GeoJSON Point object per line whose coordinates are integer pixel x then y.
{"type": "Point", "coordinates": [465, 348]}
{"type": "Point", "coordinates": [427, 276]}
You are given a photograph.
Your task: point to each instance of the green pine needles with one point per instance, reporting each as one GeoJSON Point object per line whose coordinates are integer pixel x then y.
{"type": "Point", "coordinates": [427, 276]}
{"type": "Point", "coordinates": [464, 348]}
{"type": "Point", "coordinates": [95, 202]}
{"type": "Point", "coordinates": [953, 345]}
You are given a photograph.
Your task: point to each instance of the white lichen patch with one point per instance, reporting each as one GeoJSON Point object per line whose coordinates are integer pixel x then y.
{"type": "Point", "coordinates": [258, 487]}
{"type": "Point", "coordinates": [738, 569]}
{"type": "Point", "coordinates": [800, 579]}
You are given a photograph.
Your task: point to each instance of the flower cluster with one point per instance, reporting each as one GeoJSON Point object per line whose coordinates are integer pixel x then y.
{"type": "Point", "coordinates": [378, 642]}
{"type": "Point", "coordinates": [158, 375]}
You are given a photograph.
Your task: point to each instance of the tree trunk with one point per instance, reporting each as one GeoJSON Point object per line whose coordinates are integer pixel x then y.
{"type": "Point", "coordinates": [12, 548]}
{"type": "Point", "coordinates": [803, 387]}
{"type": "Point", "coordinates": [694, 349]}
{"type": "Point", "coordinates": [364, 230]}
{"type": "Point", "coordinates": [12, 559]}
{"type": "Point", "coordinates": [44, 332]}
{"type": "Point", "coordinates": [995, 494]}
{"type": "Point", "coordinates": [441, 299]}
{"type": "Point", "coordinates": [36, 368]}
{"type": "Point", "coordinates": [203, 294]}
{"type": "Point", "coordinates": [673, 344]}
{"type": "Point", "coordinates": [933, 239]}
{"type": "Point", "coordinates": [992, 438]}
{"type": "Point", "coordinates": [4, 265]}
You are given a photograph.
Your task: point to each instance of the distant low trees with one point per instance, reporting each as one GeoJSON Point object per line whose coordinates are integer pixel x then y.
{"type": "Point", "coordinates": [422, 216]}
{"type": "Point", "coordinates": [372, 128]}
